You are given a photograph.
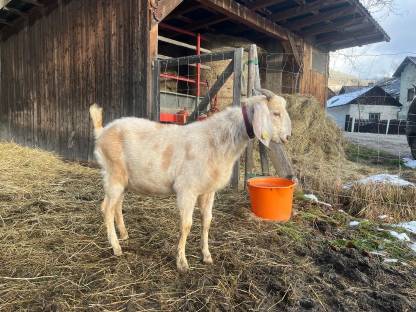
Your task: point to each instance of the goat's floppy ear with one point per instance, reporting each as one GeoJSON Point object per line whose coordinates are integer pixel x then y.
{"type": "Point", "coordinates": [262, 124]}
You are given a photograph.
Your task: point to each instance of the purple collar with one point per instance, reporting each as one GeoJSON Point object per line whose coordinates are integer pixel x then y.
{"type": "Point", "coordinates": [247, 123]}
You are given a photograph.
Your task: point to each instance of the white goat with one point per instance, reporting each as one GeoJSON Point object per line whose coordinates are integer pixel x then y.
{"type": "Point", "coordinates": [193, 161]}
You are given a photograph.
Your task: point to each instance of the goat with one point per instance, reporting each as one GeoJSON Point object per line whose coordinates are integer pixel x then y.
{"type": "Point", "coordinates": [193, 161]}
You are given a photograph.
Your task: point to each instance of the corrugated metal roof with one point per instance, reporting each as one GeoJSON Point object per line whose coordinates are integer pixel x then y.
{"type": "Point", "coordinates": [391, 86]}
{"type": "Point", "coordinates": [406, 61]}
{"type": "Point", "coordinates": [346, 98]}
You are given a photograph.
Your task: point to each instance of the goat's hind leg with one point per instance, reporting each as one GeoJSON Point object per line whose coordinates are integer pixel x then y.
{"type": "Point", "coordinates": [113, 198]}
{"type": "Point", "coordinates": [120, 220]}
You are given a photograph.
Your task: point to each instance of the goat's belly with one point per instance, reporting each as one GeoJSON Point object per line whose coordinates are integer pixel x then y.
{"type": "Point", "coordinates": [150, 183]}
{"type": "Point", "coordinates": [150, 187]}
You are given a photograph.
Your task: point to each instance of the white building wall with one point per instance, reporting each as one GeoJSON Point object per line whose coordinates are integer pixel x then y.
{"type": "Point", "coordinates": [407, 80]}
{"type": "Point", "coordinates": [338, 113]}
{"type": "Point", "coordinates": [363, 111]}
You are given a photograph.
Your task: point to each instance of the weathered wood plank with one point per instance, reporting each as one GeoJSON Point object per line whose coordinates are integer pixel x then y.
{"type": "Point", "coordinates": [246, 16]}
{"type": "Point", "coordinates": [77, 53]}
{"type": "Point", "coordinates": [251, 73]}
{"type": "Point", "coordinates": [238, 71]}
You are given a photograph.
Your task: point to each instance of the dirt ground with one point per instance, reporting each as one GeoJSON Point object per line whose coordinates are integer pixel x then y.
{"type": "Point", "coordinates": [55, 255]}
{"type": "Point", "coordinates": [393, 144]}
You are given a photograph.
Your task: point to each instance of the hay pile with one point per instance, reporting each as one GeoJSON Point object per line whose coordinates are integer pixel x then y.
{"type": "Point", "coordinates": [318, 151]}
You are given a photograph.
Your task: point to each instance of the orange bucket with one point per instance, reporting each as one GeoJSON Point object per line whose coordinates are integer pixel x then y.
{"type": "Point", "coordinates": [271, 197]}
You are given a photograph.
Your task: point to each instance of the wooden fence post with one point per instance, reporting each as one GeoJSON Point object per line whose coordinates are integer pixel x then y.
{"type": "Point", "coordinates": [252, 61]}
{"type": "Point", "coordinates": [156, 92]}
{"type": "Point", "coordinates": [238, 68]}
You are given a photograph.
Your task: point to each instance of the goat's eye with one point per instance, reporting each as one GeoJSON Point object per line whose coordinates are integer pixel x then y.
{"type": "Point", "coordinates": [276, 114]}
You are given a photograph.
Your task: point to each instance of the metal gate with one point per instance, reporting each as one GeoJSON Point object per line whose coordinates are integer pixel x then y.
{"type": "Point", "coordinates": [201, 103]}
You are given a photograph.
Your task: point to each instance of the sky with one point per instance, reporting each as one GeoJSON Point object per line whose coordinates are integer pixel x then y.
{"type": "Point", "coordinates": [380, 60]}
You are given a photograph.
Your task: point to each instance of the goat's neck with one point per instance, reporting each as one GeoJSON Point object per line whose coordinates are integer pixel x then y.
{"type": "Point", "coordinates": [230, 132]}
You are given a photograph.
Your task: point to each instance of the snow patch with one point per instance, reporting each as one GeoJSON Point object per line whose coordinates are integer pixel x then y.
{"type": "Point", "coordinates": [410, 163]}
{"type": "Point", "coordinates": [408, 226]}
{"type": "Point", "coordinates": [310, 197]}
{"type": "Point", "coordinates": [400, 236]}
{"type": "Point", "coordinates": [354, 223]}
{"type": "Point", "coordinates": [388, 260]}
{"type": "Point", "coordinates": [413, 247]}
{"type": "Point", "coordinates": [383, 178]}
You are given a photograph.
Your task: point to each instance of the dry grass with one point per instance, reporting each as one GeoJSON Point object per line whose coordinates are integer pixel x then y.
{"type": "Point", "coordinates": [325, 162]}
{"type": "Point", "coordinates": [55, 256]}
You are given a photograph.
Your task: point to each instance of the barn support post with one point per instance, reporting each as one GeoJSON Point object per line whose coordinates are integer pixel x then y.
{"type": "Point", "coordinates": [238, 68]}
{"type": "Point", "coordinates": [155, 113]}
{"type": "Point", "coordinates": [252, 61]}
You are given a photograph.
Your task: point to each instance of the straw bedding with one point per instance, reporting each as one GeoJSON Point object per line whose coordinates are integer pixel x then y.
{"type": "Point", "coordinates": [55, 255]}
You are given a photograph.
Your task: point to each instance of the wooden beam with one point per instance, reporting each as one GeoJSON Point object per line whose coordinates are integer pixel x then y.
{"type": "Point", "coordinates": [354, 42]}
{"type": "Point", "coordinates": [207, 22]}
{"type": "Point", "coordinates": [316, 30]}
{"type": "Point", "coordinates": [162, 8]}
{"type": "Point", "coordinates": [339, 36]}
{"type": "Point", "coordinates": [246, 16]}
{"type": "Point", "coordinates": [259, 4]}
{"type": "Point", "coordinates": [304, 9]}
{"type": "Point", "coordinates": [281, 161]}
{"type": "Point", "coordinates": [221, 80]}
{"type": "Point", "coordinates": [181, 44]}
{"type": "Point", "coordinates": [251, 74]}
{"type": "Point", "coordinates": [15, 11]}
{"type": "Point", "coordinates": [203, 58]}
{"type": "Point", "coordinates": [34, 2]}
{"type": "Point", "coordinates": [185, 8]}
{"type": "Point", "coordinates": [332, 14]}
{"type": "Point", "coordinates": [238, 72]}
{"type": "Point", "coordinates": [4, 22]}
{"type": "Point", "coordinates": [294, 50]}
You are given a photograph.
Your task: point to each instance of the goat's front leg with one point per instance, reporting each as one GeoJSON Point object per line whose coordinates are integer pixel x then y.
{"type": "Point", "coordinates": [186, 204]}
{"type": "Point", "coordinates": [205, 203]}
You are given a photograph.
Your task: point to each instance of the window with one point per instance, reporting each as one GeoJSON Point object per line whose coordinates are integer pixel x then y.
{"type": "Point", "coordinates": [374, 116]}
{"type": "Point", "coordinates": [410, 94]}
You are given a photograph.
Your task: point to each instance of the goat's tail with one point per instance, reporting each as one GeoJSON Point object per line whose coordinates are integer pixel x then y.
{"type": "Point", "coordinates": [96, 114]}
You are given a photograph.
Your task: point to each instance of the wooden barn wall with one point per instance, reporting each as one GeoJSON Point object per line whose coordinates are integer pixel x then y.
{"type": "Point", "coordinates": [313, 82]}
{"type": "Point", "coordinates": [54, 68]}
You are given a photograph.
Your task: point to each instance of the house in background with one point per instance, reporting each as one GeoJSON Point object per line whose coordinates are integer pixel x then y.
{"type": "Point", "coordinates": [331, 93]}
{"type": "Point", "coordinates": [349, 89]}
{"type": "Point", "coordinates": [371, 103]}
{"type": "Point", "coordinates": [406, 72]}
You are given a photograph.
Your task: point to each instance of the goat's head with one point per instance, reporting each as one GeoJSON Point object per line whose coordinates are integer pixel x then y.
{"type": "Point", "coordinates": [271, 122]}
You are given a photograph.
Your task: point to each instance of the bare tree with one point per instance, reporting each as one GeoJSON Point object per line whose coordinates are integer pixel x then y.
{"type": "Point", "coordinates": [376, 6]}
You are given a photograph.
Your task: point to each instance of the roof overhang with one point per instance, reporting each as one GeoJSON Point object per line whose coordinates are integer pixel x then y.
{"type": "Point", "coordinates": [328, 24]}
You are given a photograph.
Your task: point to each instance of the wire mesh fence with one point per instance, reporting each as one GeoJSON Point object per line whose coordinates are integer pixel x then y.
{"type": "Point", "coordinates": [356, 155]}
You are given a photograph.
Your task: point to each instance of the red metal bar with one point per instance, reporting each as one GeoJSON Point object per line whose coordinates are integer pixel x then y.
{"type": "Point", "coordinates": [181, 78]}
{"type": "Point", "coordinates": [198, 67]}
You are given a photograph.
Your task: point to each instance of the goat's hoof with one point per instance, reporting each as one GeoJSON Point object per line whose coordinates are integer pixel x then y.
{"type": "Point", "coordinates": [124, 237]}
{"type": "Point", "coordinates": [182, 265]}
{"type": "Point", "coordinates": [117, 251]}
{"type": "Point", "coordinates": [207, 259]}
